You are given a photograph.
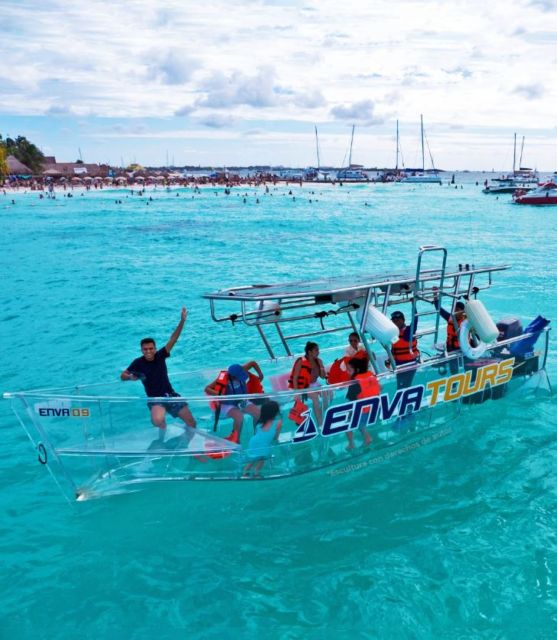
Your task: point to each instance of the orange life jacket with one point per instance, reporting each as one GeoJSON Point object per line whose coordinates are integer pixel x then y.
{"type": "Point", "coordinates": [369, 387]}
{"type": "Point", "coordinates": [452, 334]}
{"type": "Point", "coordinates": [219, 455]}
{"type": "Point", "coordinates": [253, 385]}
{"type": "Point", "coordinates": [338, 372]}
{"type": "Point", "coordinates": [221, 383]}
{"type": "Point", "coordinates": [401, 349]}
{"type": "Point", "coordinates": [297, 410]}
{"type": "Point", "coordinates": [361, 354]}
{"type": "Point", "coordinates": [303, 379]}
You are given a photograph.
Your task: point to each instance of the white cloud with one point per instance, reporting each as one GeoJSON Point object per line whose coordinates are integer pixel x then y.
{"type": "Point", "coordinates": [530, 91]}
{"type": "Point", "coordinates": [217, 121]}
{"type": "Point", "coordinates": [544, 5]}
{"type": "Point", "coordinates": [362, 112]}
{"type": "Point", "coordinates": [171, 66]}
{"type": "Point", "coordinates": [184, 110]}
{"type": "Point", "coordinates": [256, 64]}
{"type": "Point", "coordinates": [224, 91]}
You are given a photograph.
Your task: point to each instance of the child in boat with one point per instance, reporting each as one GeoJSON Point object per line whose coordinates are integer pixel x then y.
{"type": "Point", "coordinates": [266, 433]}
{"type": "Point", "coordinates": [236, 381]}
{"type": "Point", "coordinates": [365, 385]}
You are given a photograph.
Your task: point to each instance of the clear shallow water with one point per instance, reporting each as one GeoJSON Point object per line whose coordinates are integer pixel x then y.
{"type": "Point", "coordinates": [452, 540]}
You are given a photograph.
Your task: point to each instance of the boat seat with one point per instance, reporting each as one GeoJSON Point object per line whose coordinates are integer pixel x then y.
{"type": "Point", "coordinates": [279, 382]}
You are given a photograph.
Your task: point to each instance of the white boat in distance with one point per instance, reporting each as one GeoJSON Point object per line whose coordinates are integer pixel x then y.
{"type": "Point", "coordinates": [352, 173]}
{"type": "Point", "coordinates": [524, 178]}
{"type": "Point", "coordinates": [421, 176]}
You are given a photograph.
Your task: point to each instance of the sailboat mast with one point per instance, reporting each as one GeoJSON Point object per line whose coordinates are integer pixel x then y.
{"type": "Point", "coordinates": [521, 150]}
{"type": "Point", "coordinates": [351, 143]}
{"type": "Point", "coordinates": [422, 131]}
{"type": "Point", "coordinates": [397, 150]}
{"type": "Point", "coordinates": [514, 155]}
{"type": "Point", "coordinates": [317, 147]}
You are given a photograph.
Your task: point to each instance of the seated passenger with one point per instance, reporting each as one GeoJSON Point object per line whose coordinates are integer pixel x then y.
{"type": "Point", "coordinates": [355, 349]}
{"type": "Point", "coordinates": [235, 381]}
{"type": "Point", "coordinates": [365, 385]}
{"type": "Point", "coordinates": [305, 374]}
{"type": "Point", "coordinates": [266, 433]}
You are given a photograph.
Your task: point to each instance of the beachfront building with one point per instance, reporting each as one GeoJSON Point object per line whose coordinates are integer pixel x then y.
{"type": "Point", "coordinates": [54, 169]}
{"type": "Point", "coordinates": [17, 169]}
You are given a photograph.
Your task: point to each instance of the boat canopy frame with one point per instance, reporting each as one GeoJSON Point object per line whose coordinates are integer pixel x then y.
{"type": "Point", "coordinates": [274, 305]}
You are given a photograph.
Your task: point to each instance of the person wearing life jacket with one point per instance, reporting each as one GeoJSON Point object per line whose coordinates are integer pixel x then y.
{"type": "Point", "coordinates": [403, 352]}
{"type": "Point", "coordinates": [355, 349]}
{"type": "Point", "coordinates": [236, 380]}
{"type": "Point", "coordinates": [305, 374]}
{"type": "Point", "coordinates": [454, 320]}
{"type": "Point", "coordinates": [365, 385]}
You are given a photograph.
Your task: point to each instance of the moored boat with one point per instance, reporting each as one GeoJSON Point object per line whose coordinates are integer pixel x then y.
{"type": "Point", "coordinates": [421, 176]}
{"type": "Point", "coordinates": [546, 194]}
{"type": "Point", "coordinates": [97, 440]}
{"type": "Point", "coordinates": [522, 178]}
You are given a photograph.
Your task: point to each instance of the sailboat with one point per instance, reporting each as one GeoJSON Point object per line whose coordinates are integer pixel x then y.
{"type": "Point", "coordinates": [522, 178]}
{"type": "Point", "coordinates": [420, 175]}
{"type": "Point", "coordinates": [316, 174]}
{"type": "Point", "coordinates": [352, 173]}
{"type": "Point", "coordinates": [396, 174]}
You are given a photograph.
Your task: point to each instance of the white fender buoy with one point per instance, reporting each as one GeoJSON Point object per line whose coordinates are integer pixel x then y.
{"type": "Point", "coordinates": [378, 325]}
{"type": "Point", "coordinates": [267, 309]}
{"type": "Point", "coordinates": [481, 321]}
{"type": "Point", "coordinates": [464, 339]}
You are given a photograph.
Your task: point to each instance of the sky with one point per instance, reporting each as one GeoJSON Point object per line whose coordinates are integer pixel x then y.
{"type": "Point", "coordinates": [245, 82]}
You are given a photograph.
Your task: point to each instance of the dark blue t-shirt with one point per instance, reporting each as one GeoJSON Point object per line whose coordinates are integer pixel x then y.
{"type": "Point", "coordinates": [153, 374]}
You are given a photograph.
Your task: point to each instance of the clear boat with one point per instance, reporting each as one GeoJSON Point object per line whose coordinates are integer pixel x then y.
{"type": "Point", "coordinates": [97, 440]}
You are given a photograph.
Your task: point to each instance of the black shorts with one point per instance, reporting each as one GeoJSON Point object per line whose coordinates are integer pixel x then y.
{"type": "Point", "coordinates": [173, 408]}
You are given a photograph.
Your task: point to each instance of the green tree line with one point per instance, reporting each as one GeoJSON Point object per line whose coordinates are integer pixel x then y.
{"type": "Point", "coordinates": [23, 150]}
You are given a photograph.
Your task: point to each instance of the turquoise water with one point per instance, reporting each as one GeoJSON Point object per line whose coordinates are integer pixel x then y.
{"type": "Point", "coordinates": [455, 539]}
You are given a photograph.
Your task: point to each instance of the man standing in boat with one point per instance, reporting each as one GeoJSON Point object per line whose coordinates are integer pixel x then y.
{"type": "Point", "coordinates": [150, 368]}
{"type": "Point", "coordinates": [404, 352]}
{"type": "Point", "coordinates": [454, 320]}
